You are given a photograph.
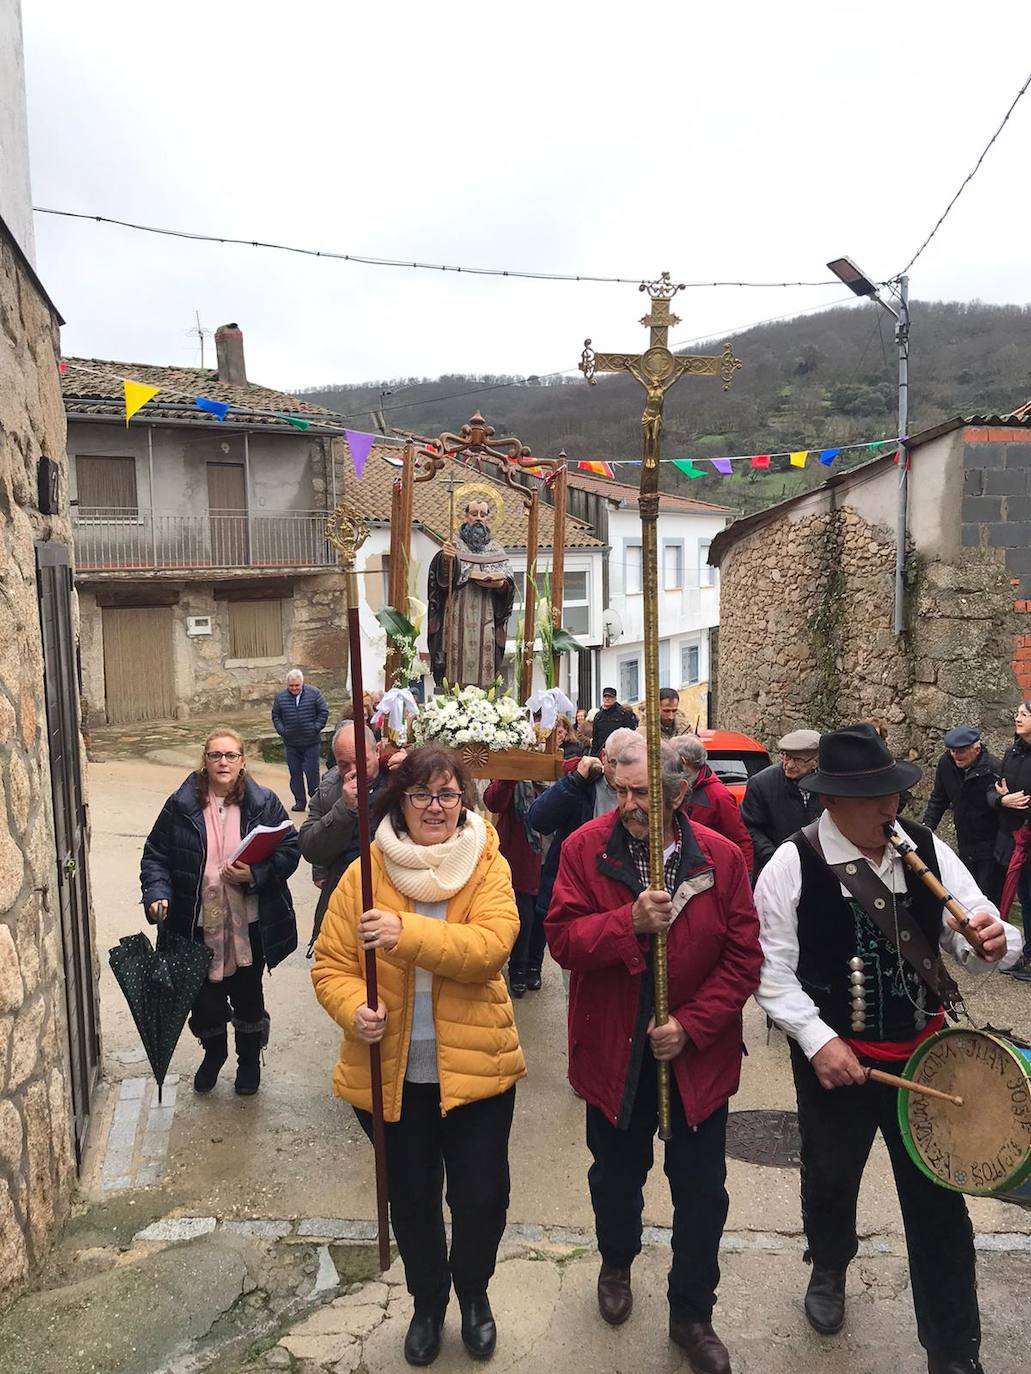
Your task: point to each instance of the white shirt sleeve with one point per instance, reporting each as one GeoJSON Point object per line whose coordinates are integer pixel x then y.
{"type": "Point", "coordinates": [780, 994]}
{"type": "Point", "coordinates": [961, 884]}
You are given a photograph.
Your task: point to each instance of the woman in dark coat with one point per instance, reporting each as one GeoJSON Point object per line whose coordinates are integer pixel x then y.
{"type": "Point", "coordinates": [243, 913]}
{"type": "Point", "coordinates": [1012, 796]}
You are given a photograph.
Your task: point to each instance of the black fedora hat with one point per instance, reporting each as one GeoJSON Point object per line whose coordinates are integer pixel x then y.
{"type": "Point", "coordinates": [855, 762]}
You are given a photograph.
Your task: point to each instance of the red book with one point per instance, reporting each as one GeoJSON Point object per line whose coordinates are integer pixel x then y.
{"type": "Point", "coordinates": [262, 841]}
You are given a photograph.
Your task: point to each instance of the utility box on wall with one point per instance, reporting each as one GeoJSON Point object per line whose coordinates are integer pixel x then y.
{"type": "Point", "coordinates": [198, 625]}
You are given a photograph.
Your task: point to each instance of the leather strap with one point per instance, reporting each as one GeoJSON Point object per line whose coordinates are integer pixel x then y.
{"type": "Point", "coordinates": [893, 921]}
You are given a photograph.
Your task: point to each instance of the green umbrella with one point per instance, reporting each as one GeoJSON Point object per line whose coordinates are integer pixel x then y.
{"type": "Point", "coordinates": [160, 986]}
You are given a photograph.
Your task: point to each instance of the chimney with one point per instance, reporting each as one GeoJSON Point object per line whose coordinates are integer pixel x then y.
{"type": "Point", "coordinates": [229, 352]}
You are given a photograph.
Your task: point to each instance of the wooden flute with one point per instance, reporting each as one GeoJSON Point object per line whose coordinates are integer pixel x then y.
{"type": "Point", "coordinates": [906, 849]}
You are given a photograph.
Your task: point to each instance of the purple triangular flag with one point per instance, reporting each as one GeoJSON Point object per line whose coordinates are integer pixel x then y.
{"type": "Point", "coordinates": [359, 444]}
{"type": "Point", "coordinates": [723, 465]}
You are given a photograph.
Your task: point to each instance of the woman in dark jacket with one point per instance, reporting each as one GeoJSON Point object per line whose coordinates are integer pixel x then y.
{"type": "Point", "coordinates": [1012, 796]}
{"type": "Point", "coordinates": [243, 913]}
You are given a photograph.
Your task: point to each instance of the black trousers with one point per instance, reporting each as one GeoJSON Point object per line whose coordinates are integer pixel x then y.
{"type": "Point", "coordinates": [528, 950]}
{"type": "Point", "coordinates": [838, 1126]}
{"type": "Point", "coordinates": [989, 875]}
{"type": "Point", "coordinates": [239, 996]}
{"type": "Point", "coordinates": [471, 1145]}
{"type": "Point", "coordinates": [696, 1166]}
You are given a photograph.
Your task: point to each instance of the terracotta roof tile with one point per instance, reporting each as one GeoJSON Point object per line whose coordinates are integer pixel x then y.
{"type": "Point", "coordinates": [371, 497]}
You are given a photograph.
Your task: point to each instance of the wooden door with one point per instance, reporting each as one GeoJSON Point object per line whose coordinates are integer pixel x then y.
{"type": "Point", "coordinates": [227, 515]}
{"type": "Point", "coordinates": [138, 666]}
{"type": "Point", "coordinates": [61, 688]}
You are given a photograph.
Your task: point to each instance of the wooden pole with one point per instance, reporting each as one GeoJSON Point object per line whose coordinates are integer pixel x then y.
{"type": "Point", "coordinates": [371, 981]}
{"type": "Point", "coordinates": [530, 598]}
{"type": "Point", "coordinates": [449, 609]}
{"type": "Point", "coordinates": [390, 665]}
{"type": "Point", "coordinates": [558, 550]}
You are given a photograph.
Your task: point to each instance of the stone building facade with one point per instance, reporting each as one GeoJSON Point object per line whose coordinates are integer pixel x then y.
{"type": "Point", "coordinates": [37, 1155]}
{"type": "Point", "coordinates": [807, 597]}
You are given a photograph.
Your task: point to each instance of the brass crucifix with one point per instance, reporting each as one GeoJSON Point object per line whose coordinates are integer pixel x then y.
{"type": "Point", "coordinates": [657, 369]}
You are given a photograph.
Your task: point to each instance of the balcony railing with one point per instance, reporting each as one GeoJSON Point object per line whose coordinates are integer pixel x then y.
{"type": "Point", "coordinates": [109, 540]}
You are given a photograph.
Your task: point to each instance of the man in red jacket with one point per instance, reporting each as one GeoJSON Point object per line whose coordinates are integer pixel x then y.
{"type": "Point", "coordinates": [599, 926]}
{"type": "Point", "coordinates": [711, 802]}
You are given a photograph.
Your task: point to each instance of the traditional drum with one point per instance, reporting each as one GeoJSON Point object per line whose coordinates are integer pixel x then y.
{"type": "Point", "coordinates": [984, 1147]}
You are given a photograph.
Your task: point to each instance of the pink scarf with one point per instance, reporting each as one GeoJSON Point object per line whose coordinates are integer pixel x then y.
{"type": "Point", "coordinates": [223, 906]}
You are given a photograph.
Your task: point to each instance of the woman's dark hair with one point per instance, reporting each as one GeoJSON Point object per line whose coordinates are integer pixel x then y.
{"type": "Point", "coordinates": [419, 767]}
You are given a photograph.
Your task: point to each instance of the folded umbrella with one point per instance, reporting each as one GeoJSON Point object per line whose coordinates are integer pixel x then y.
{"type": "Point", "coordinates": [1021, 844]}
{"type": "Point", "coordinates": [160, 986]}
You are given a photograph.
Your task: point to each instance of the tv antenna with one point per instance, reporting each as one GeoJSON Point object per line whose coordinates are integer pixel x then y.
{"type": "Point", "coordinates": [201, 334]}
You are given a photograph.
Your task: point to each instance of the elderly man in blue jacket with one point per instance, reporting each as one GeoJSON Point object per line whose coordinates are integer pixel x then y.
{"type": "Point", "coordinates": [299, 714]}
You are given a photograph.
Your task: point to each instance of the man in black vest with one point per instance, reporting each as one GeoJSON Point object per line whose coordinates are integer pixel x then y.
{"type": "Point", "coordinates": [848, 999]}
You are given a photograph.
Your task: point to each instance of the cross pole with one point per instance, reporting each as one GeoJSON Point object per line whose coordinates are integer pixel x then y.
{"type": "Point", "coordinates": [656, 370]}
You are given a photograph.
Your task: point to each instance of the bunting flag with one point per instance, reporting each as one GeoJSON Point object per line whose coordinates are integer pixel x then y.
{"type": "Point", "coordinates": [828, 455]}
{"type": "Point", "coordinates": [220, 409]}
{"type": "Point", "coordinates": [687, 467]}
{"type": "Point", "coordinates": [798, 458]}
{"type": "Point", "coordinates": [294, 421]}
{"type": "Point", "coordinates": [760, 460]}
{"type": "Point", "coordinates": [723, 466]}
{"type": "Point", "coordinates": [599, 469]}
{"type": "Point", "coordinates": [360, 446]}
{"type": "Point", "coordinates": [137, 394]}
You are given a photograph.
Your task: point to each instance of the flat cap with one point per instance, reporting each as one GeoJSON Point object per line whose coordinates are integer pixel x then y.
{"type": "Point", "coordinates": [800, 741]}
{"type": "Point", "coordinates": [961, 737]}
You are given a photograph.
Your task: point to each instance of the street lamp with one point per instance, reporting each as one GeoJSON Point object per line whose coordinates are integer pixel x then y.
{"type": "Point", "coordinates": [861, 285]}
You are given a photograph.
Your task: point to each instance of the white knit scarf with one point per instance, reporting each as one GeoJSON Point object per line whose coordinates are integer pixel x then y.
{"type": "Point", "coordinates": [432, 872]}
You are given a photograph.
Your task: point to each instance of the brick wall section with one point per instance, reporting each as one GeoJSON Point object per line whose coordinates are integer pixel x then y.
{"type": "Point", "coordinates": [36, 1160]}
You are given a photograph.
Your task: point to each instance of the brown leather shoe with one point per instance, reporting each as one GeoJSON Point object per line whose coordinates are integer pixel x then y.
{"type": "Point", "coordinates": [706, 1353]}
{"type": "Point", "coordinates": [615, 1300]}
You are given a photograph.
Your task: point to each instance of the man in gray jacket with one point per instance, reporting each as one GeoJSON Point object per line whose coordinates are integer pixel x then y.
{"type": "Point", "coordinates": [329, 836]}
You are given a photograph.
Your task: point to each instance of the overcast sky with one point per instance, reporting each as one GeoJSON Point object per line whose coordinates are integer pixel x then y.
{"type": "Point", "coordinates": [748, 139]}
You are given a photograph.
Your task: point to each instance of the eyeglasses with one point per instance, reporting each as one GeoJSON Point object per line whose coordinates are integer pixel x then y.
{"type": "Point", "coordinates": [230, 755]}
{"type": "Point", "coordinates": [421, 800]}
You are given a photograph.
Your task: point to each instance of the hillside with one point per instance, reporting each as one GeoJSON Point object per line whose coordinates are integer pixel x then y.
{"type": "Point", "coordinates": [814, 381]}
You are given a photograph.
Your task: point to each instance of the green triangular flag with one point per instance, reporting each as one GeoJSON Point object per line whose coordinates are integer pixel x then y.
{"type": "Point", "coordinates": [293, 420]}
{"type": "Point", "coordinates": [687, 467]}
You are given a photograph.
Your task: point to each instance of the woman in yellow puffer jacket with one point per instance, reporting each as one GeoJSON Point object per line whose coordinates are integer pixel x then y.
{"type": "Point", "coordinates": [443, 923]}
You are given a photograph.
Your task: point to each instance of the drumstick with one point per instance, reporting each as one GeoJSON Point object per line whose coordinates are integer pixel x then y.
{"type": "Point", "coordinates": [893, 1081]}
{"type": "Point", "coordinates": [905, 848]}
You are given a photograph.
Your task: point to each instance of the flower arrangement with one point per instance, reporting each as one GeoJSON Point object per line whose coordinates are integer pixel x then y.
{"type": "Point", "coordinates": [403, 635]}
{"type": "Point", "coordinates": [472, 715]}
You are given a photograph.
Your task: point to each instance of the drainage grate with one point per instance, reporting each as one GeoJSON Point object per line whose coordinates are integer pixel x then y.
{"type": "Point", "coordinates": [768, 1138]}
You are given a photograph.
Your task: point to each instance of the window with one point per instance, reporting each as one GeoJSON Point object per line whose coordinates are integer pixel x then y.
{"type": "Point", "coordinates": [664, 657]}
{"type": "Point", "coordinates": [632, 566]}
{"type": "Point", "coordinates": [672, 564]}
{"type": "Point", "coordinates": [706, 575]}
{"type": "Point", "coordinates": [629, 679]}
{"type": "Point", "coordinates": [576, 606]}
{"type": "Point", "coordinates": [255, 629]}
{"type": "Point", "coordinates": [689, 665]}
{"type": "Point", "coordinates": [106, 485]}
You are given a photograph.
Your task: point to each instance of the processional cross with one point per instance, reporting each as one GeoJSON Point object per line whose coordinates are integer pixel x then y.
{"type": "Point", "coordinates": [657, 369]}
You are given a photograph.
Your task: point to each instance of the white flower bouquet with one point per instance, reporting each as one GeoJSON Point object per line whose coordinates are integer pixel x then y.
{"type": "Point", "coordinates": [471, 715]}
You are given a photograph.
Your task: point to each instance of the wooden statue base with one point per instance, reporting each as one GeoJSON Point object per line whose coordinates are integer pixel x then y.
{"type": "Point", "coordinates": [511, 765]}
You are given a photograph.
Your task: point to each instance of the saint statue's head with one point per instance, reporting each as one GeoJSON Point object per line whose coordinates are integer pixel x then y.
{"type": "Point", "coordinates": [475, 531]}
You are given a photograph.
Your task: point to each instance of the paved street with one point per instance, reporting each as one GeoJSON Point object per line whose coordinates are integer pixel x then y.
{"type": "Point", "coordinates": [292, 1162]}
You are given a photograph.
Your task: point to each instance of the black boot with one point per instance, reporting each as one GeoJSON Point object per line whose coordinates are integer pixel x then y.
{"type": "Point", "coordinates": [517, 980]}
{"type": "Point", "coordinates": [216, 1052]}
{"type": "Point", "coordinates": [251, 1039]}
{"type": "Point", "coordinates": [422, 1343]}
{"type": "Point", "coordinates": [479, 1334]}
{"type": "Point", "coordinates": [825, 1300]}
{"type": "Point", "coordinates": [533, 980]}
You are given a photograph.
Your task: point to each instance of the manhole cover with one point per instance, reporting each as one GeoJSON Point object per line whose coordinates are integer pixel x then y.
{"type": "Point", "coordinates": [769, 1138]}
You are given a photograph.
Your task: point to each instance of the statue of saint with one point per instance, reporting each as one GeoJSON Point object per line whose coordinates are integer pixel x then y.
{"type": "Point", "coordinates": [469, 597]}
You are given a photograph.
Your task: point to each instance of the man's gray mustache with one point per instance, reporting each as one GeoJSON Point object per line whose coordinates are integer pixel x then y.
{"type": "Point", "coordinates": [641, 817]}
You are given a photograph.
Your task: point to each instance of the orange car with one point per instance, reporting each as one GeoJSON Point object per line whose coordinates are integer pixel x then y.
{"type": "Point", "coordinates": [734, 758]}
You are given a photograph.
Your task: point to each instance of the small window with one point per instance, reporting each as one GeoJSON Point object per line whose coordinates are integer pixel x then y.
{"type": "Point", "coordinates": [255, 629]}
{"type": "Point", "coordinates": [689, 656]}
{"type": "Point", "coordinates": [672, 566]}
{"type": "Point", "coordinates": [576, 609]}
{"type": "Point", "coordinates": [706, 575]}
{"type": "Point", "coordinates": [632, 569]}
{"type": "Point", "coordinates": [106, 486]}
{"type": "Point", "coordinates": [574, 587]}
{"type": "Point", "coordinates": [629, 679]}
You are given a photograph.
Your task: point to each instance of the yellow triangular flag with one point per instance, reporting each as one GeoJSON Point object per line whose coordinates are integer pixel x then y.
{"type": "Point", "coordinates": [137, 394]}
{"type": "Point", "coordinates": [798, 459]}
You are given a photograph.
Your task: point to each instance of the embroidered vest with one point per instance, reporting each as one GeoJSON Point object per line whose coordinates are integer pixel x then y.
{"type": "Point", "coordinates": [851, 971]}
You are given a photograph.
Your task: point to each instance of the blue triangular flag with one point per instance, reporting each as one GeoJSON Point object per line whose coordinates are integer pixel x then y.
{"type": "Point", "coordinates": [219, 409]}
{"type": "Point", "coordinates": [828, 455]}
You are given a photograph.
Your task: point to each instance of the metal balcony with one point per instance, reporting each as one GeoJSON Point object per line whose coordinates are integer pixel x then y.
{"type": "Point", "coordinates": [112, 540]}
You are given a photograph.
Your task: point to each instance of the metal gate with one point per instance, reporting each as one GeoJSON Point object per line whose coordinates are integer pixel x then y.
{"type": "Point", "coordinates": [139, 679]}
{"type": "Point", "coordinates": [54, 583]}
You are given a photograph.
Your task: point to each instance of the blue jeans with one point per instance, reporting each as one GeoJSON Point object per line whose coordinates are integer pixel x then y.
{"type": "Point", "coordinates": [303, 762]}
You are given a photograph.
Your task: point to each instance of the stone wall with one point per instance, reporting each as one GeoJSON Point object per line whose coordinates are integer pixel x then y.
{"type": "Point", "coordinates": [806, 635]}
{"type": "Point", "coordinates": [37, 1168]}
